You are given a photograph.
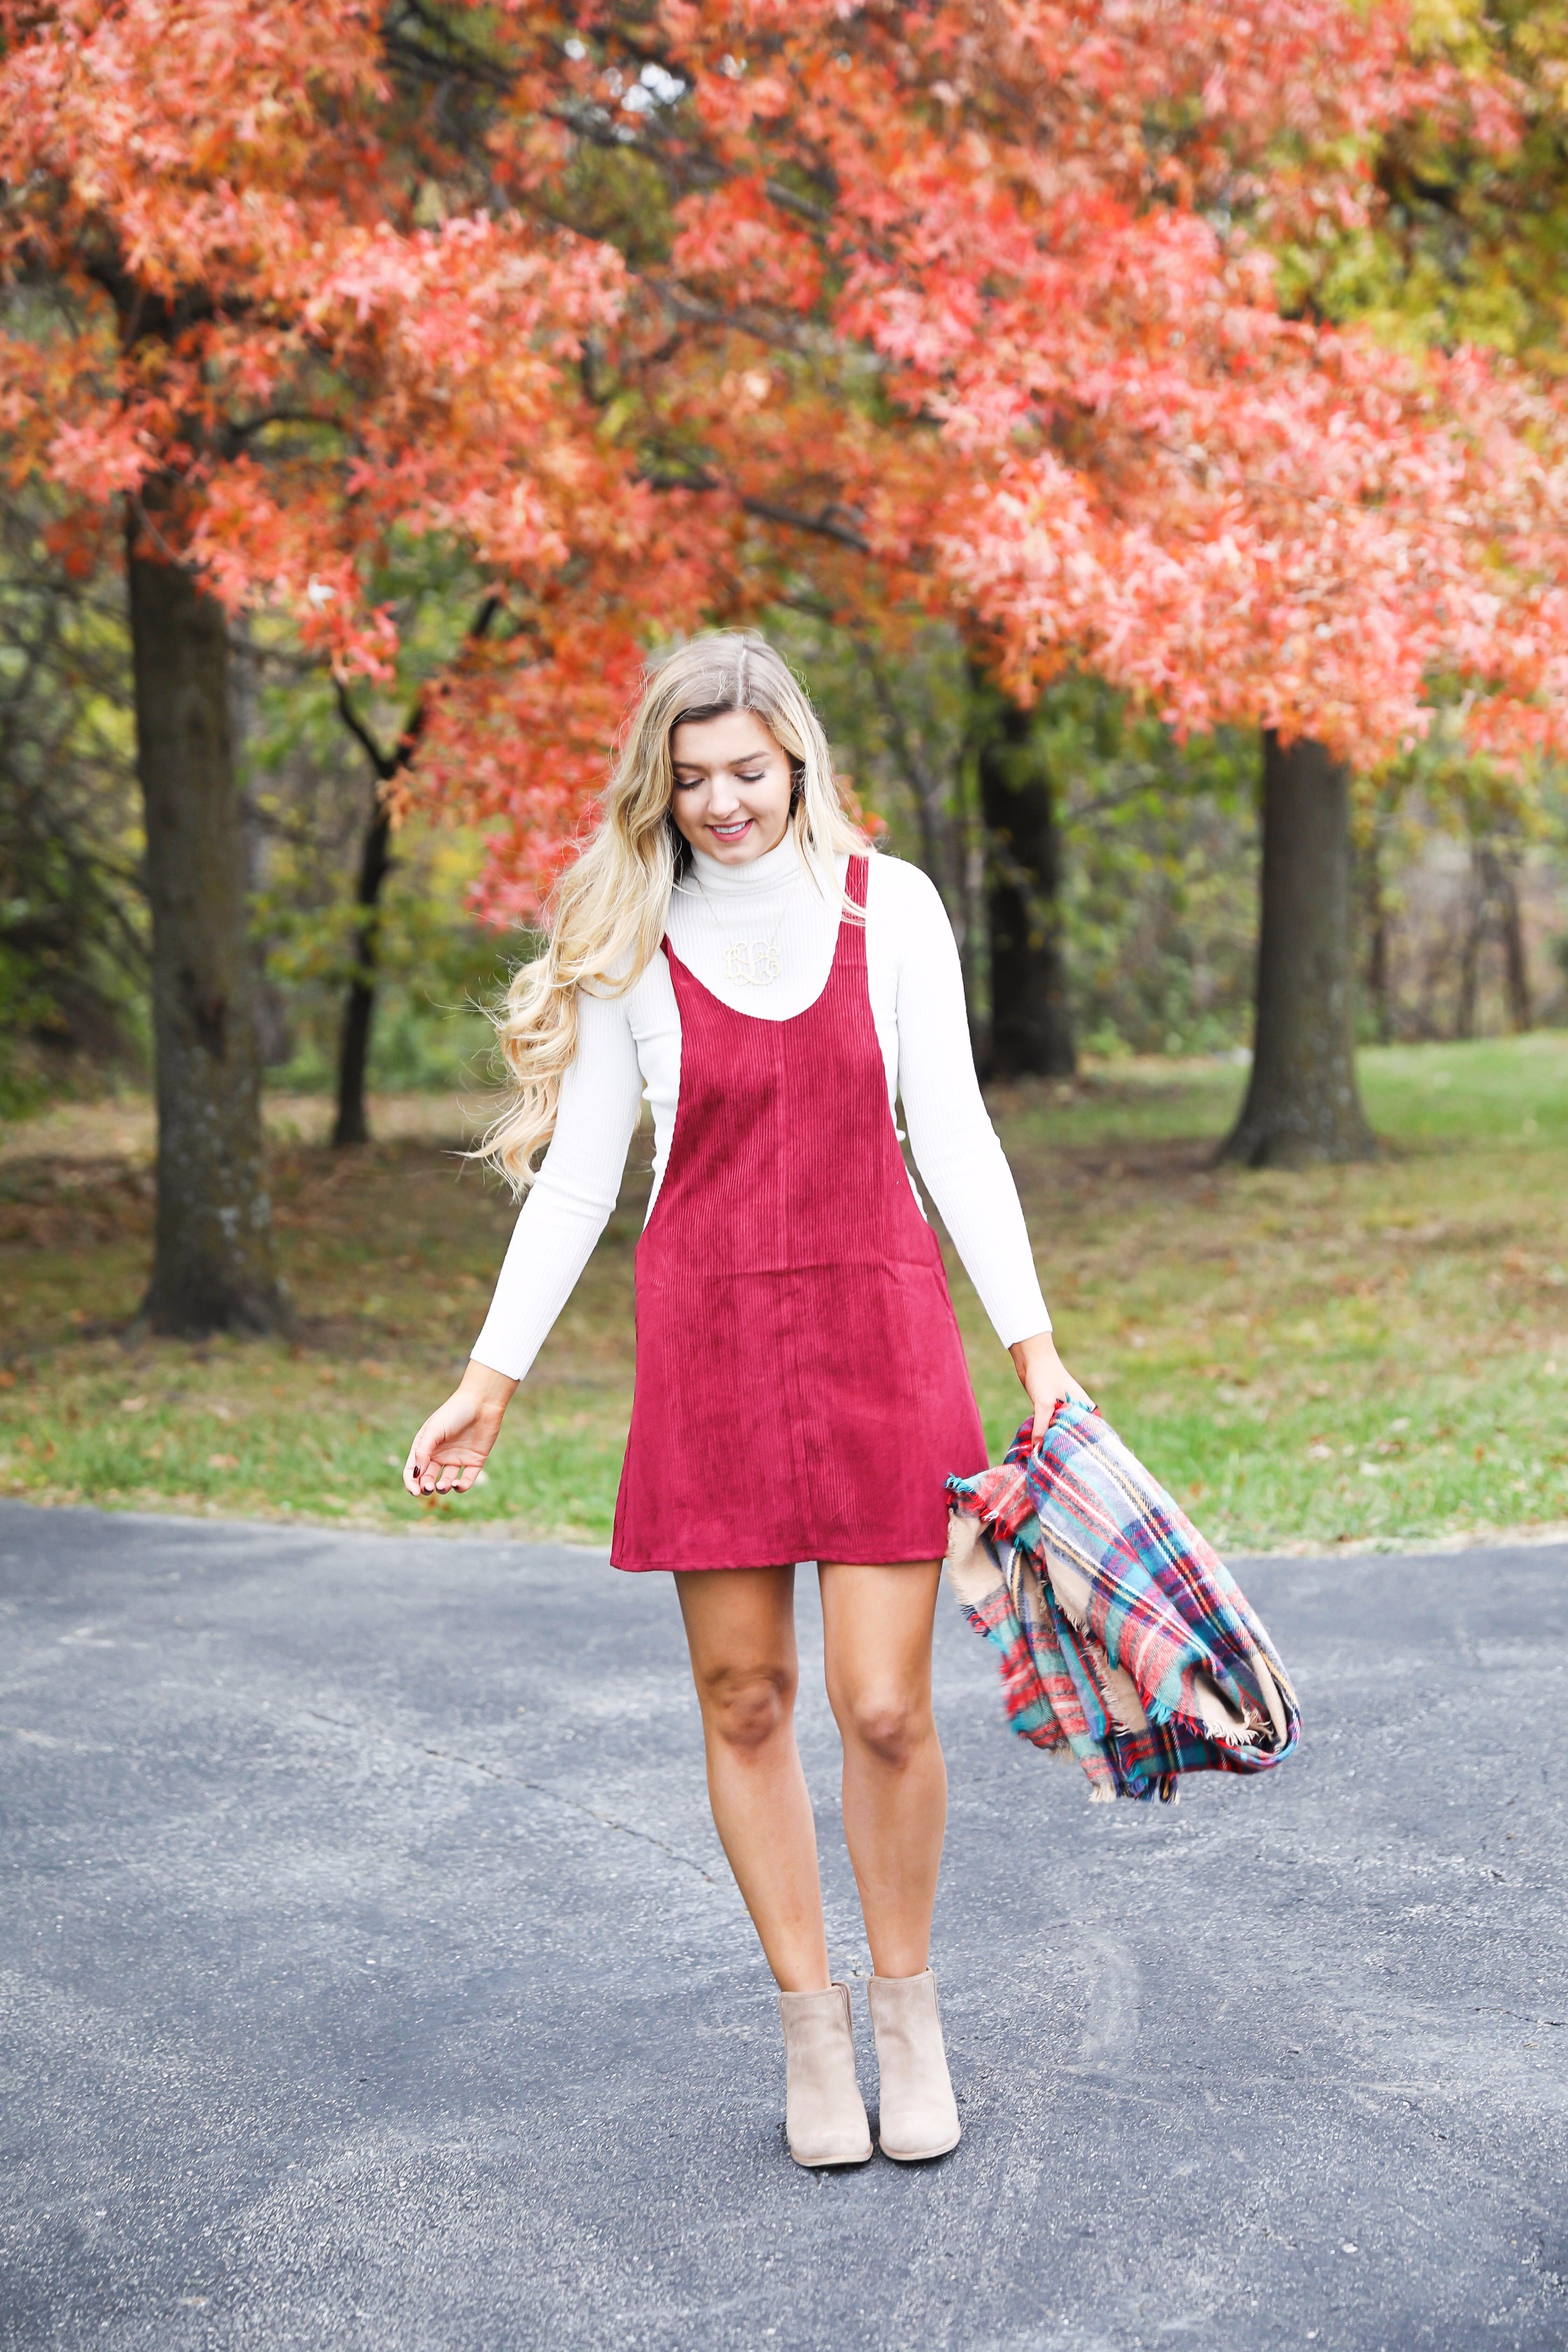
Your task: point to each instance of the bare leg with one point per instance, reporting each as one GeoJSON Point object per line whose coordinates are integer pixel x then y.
{"type": "Point", "coordinates": [739, 1628]}
{"type": "Point", "coordinates": [877, 1626]}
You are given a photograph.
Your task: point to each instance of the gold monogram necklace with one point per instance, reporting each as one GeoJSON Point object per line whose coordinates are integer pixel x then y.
{"type": "Point", "coordinates": [748, 963]}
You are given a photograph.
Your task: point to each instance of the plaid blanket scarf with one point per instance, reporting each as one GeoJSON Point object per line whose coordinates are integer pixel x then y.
{"type": "Point", "coordinates": [1125, 1641]}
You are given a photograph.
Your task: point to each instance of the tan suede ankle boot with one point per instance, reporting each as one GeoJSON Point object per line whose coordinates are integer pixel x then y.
{"type": "Point", "coordinates": [919, 2114]}
{"type": "Point", "coordinates": [825, 2116]}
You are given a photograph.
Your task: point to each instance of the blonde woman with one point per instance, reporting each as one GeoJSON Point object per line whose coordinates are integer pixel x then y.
{"type": "Point", "coordinates": [726, 946]}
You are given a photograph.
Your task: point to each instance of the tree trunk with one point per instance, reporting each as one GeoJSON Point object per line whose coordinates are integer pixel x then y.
{"type": "Point", "coordinates": [269, 1007]}
{"type": "Point", "coordinates": [1376, 926]}
{"type": "Point", "coordinates": [1301, 1103]}
{"type": "Point", "coordinates": [1516, 962]}
{"type": "Point", "coordinates": [1501, 876]}
{"type": "Point", "coordinates": [375, 864]}
{"type": "Point", "coordinates": [213, 1266]}
{"type": "Point", "coordinates": [1468, 995]}
{"type": "Point", "coordinates": [359, 1007]}
{"type": "Point", "coordinates": [1031, 1031]}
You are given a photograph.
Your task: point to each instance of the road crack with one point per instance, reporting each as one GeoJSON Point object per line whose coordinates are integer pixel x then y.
{"type": "Point", "coordinates": [536, 1788]}
{"type": "Point", "coordinates": [590, 1812]}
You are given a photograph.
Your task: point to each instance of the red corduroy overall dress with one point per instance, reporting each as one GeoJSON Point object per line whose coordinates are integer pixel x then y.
{"type": "Point", "coordinates": [801, 1387]}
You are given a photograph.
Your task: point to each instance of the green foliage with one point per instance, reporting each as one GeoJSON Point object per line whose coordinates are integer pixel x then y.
{"type": "Point", "coordinates": [1467, 241]}
{"type": "Point", "coordinates": [1511, 826]}
{"type": "Point", "coordinates": [436, 968]}
{"type": "Point", "coordinates": [1473, 243]}
{"type": "Point", "coordinates": [312, 792]}
{"type": "Point", "coordinates": [898, 706]}
{"type": "Point", "coordinates": [71, 918]}
{"type": "Point", "coordinates": [73, 972]}
{"type": "Point", "coordinates": [1159, 908]}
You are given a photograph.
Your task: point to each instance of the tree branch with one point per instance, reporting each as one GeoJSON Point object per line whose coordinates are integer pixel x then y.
{"type": "Point", "coordinates": [243, 427]}
{"type": "Point", "coordinates": [385, 768]}
{"type": "Point", "coordinates": [823, 525]}
{"type": "Point", "coordinates": [387, 764]}
{"type": "Point", "coordinates": [783, 335]}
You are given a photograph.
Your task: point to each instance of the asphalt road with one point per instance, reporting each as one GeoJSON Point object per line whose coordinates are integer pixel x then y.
{"type": "Point", "coordinates": [370, 1977]}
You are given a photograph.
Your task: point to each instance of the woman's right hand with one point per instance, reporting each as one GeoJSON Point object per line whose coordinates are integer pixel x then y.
{"type": "Point", "coordinates": [449, 1449]}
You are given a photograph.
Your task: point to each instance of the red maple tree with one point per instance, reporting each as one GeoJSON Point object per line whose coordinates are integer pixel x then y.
{"type": "Point", "coordinates": [645, 310]}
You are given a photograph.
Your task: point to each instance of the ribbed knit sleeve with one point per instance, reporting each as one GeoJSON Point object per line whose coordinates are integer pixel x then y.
{"type": "Point", "coordinates": [955, 1147]}
{"type": "Point", "coordinates": [570, 1202]}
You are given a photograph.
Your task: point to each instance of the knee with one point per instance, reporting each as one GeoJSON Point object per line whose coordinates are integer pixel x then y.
{"type": "Point", "coordinates": [892, 1726]}
{"type": "Point", "coordinates": [747, 1706]}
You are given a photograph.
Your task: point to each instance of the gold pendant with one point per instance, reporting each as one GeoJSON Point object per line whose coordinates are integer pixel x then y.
{"type": "Point", "coordinates": [752, 963]}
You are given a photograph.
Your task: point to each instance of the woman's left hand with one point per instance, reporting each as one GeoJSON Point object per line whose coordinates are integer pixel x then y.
{"type": "Point", "coordinates": [1045, 1379]}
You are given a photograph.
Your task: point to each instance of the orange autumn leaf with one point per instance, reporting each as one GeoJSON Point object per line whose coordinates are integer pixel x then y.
{"type": "Point", "coordinates": [951, 307]}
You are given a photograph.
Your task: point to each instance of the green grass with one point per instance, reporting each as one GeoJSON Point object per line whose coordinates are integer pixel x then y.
{"type": "Point", "coordinates": [389, 1257]}
{"type": "Point", "coordinates": [1373, 1354]}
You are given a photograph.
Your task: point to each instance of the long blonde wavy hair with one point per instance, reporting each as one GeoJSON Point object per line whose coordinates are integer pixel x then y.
{"type": "Point", "coordinates": [607, 914]}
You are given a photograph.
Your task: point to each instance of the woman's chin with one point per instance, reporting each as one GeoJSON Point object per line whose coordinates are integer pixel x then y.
{"type": "Point", "coordinates": [738, 849]}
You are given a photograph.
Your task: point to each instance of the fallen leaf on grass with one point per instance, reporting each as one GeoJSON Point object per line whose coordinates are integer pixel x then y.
{"type": "Point", "coordinates": [132, 1404]}
{"type": "Point", "coordinates": [223, 1460]}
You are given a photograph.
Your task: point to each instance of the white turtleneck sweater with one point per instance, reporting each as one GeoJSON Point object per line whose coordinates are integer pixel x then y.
{"type": "Point", "coordinates": [629, 1048]}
